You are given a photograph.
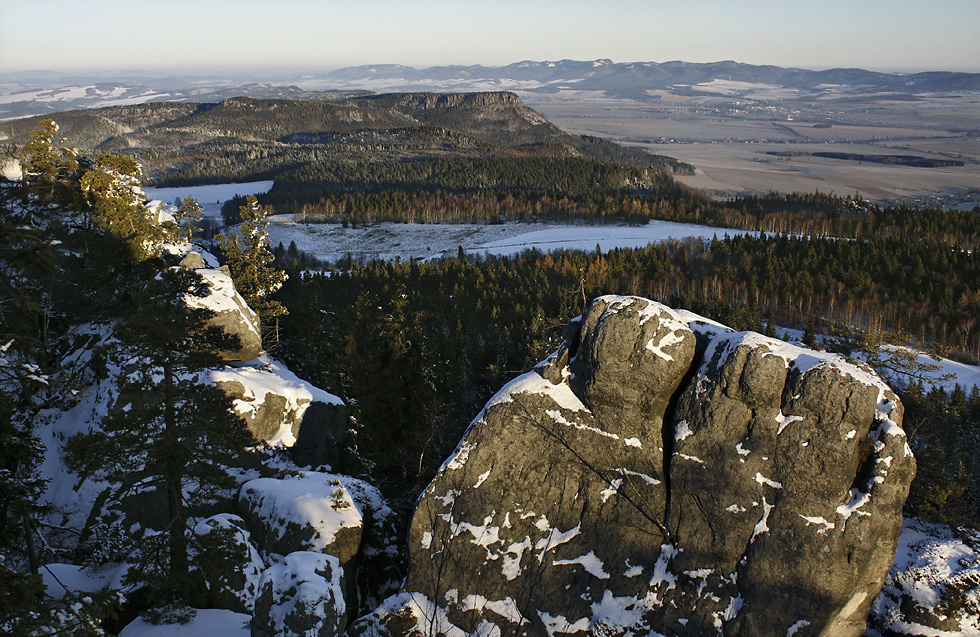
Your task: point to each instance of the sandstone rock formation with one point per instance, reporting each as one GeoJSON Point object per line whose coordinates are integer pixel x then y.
{"type": "Point", "coordinates": [663, 474]}
{"type": "Point", "coordinates": [305, 512]}
{"type": "Point", "coordinates": [301, 596]}
{"type": "Point", "coordinates": [282, 409]}
{"type": "Point", "coordinates": [231, 313]}
{"type": "Point", "coordinates": [316, 530]}
{"type": "Point", "coordinates": [230, 588]}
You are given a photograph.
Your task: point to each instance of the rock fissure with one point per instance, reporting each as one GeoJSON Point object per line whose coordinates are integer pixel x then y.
{"type": "Point", "coordinates": [606, 479]}
{"type": "Point", "coordinates": [669, 430]}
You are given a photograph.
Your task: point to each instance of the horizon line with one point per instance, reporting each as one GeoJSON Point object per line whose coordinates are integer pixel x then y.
{"type": "Point", "coordinates": [299, 70]}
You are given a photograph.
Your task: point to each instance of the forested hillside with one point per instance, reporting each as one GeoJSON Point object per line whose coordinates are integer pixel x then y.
{"type": "Point", "coordinates": [243, 139]}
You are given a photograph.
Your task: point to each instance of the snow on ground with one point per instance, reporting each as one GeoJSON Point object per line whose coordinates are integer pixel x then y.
{"type": "Point", "coordinates": [966, 376]}
{"type": "Point", "coordinates": [935, 575]}
{"type": "Point", "coordinates": [209, 197]}
{"type": "Point", "coordinates": [333, 242]}
{"type": "Point", "coordinates": [60, 579]}
{"type": "Point", "coordinates": [207, 623]}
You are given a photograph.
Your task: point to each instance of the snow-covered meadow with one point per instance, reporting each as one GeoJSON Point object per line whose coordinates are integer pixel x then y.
{"type": "Point", "coordinates": [333, 242]}
{"type": "Point", "coordinates": [210, 197]}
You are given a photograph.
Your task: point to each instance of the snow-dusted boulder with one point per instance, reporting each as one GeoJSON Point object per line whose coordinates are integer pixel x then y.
{"type": "Point", "coordinates": [301, 596]}
{"type": "Point", "coordinates": [231, 313]}
{"type": "Point", "coordinates": [933, 586]}
{"type": "Point", "coordinates": [229, 565]}
{"type": "Point", "coordinates": [303, 512]}
{"type": "Point", "coordinates": [193, 261]}
{"type": "Point", "coordinates": [284, 410]}
{"type": "Point", "coordinates": [663, 474]}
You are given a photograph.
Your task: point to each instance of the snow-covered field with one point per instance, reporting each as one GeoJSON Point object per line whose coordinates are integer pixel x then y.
{"type": "Point", "coordinates": [209, 197]}
{"type": "Point", "coordinates": [332, 242]}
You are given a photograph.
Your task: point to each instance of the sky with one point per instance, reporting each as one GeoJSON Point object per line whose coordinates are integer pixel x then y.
{"type": "Point", "coordinates": [179, 36]}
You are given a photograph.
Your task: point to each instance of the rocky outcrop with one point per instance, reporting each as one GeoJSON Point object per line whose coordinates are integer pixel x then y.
{"type": "Point", "coordinates": [284, 410]}
{"type": "Point", "coordinates": [231, 313]}
{"type": "Point", "coordinates": [301, 596]}
{"type": "Point", "coordinates": [193, 261]}
{"type": "Point", "coordinates": [304, 512]}
{"type": "Point", "coordinates": [227, 563]}
{"type": "Point", "coordinates": [663, 474]}
{"type": "Point", "coordinates": [328, 538]}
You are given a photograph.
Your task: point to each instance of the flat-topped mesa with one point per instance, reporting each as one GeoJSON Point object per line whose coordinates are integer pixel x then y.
{"type": "Point", "coordinates": [663, 473]}
{"type": "Point", "coordinates": [452, 100]}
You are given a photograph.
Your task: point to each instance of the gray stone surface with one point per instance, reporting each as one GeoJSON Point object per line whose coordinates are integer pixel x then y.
{"type": "Point", "coordinates": [319, 434]}
{"type": "Point", "coordinates": [317, 426]}
{"type": "Point", "coordinates": [193, 261]}
{"type": "Point", "coordinates": [226, 563]}
{"type": "Point", "coordinates": [663, 473]}
{"type": "Point", "coordinates": [232, 314]}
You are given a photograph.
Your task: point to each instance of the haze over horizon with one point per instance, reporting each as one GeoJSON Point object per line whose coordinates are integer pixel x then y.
{"type": "Point", "coordinates": [260, 37]}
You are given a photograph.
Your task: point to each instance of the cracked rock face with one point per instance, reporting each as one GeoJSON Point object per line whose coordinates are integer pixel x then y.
{"type": "Point", "coordinates": [663, 473]}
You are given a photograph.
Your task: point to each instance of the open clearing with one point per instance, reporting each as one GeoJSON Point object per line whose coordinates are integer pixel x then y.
{"type": "Point", "coordinates": [333, 242]}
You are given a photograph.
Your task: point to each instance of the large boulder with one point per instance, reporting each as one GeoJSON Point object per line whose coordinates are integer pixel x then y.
{"type": "Point", "coordinates": [281, 409]}
{"type": "Point", "coordinates": [224, 560]}
{"type": "Point", "coordinates": [231, 313]}
{"type": "Point", "coordinates": [303, 512]}
{"type": "Point", "coordinates": [301, 596]}
{"type": "Point", "coordinates": [663, 474]}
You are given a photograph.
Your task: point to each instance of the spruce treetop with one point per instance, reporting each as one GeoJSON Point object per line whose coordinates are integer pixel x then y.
{"type": "Point", "coordinates": [249, 257]}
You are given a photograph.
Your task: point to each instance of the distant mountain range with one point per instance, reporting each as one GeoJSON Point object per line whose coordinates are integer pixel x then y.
{"type": "Point", "coordinates": [24, 94]}
{"type": "Point", "coordinates": [632, 77]}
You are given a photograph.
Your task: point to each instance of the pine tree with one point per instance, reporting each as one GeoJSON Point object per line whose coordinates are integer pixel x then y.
{"type": "Point", "coordinates": [249, 259]}
{"type": "Point", "coordinates": [47, 166]}
{"type": "Point", "coordinates": [113, 191]}
{"type": "Point", "coordinates": [27, 269]}
{"type": "Point", "coordinates": [172, 430]}
{"type": "Point", "coordinates": [189, 215]}
{"type": "Point", "coordinates": [20, 491]}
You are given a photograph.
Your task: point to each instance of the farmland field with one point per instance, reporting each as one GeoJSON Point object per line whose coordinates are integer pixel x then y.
{"type": "Point", "coordinates": [729, 138]}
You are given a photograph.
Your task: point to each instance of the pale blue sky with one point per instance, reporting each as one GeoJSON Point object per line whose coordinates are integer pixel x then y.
{"type": "Point", "coordinates": [197, 35]}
